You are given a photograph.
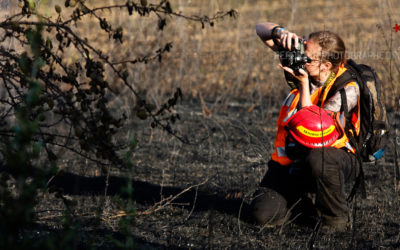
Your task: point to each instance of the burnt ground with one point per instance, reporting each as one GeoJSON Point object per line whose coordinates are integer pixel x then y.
{"type": "Point", "coordinates": [215, 177]}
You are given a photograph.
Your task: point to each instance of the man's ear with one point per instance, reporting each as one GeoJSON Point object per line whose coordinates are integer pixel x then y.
{"type": "Point", "coordinates": [327, 65]}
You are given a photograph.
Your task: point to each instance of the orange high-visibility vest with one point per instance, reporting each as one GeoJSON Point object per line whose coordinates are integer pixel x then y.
{"type": "Point", "coordinates": [289, 108]}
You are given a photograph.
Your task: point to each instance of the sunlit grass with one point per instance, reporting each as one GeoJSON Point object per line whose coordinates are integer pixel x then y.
{"type": "Point", "coordinates": [228, 60]}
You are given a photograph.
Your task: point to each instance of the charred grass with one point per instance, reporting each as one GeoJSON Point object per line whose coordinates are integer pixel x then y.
{"type": "Point", "coordinates": [211, 182]}
{"type": "Point", "coordinates": [232, 91]}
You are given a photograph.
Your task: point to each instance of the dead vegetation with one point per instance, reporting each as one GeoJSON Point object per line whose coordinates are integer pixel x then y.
{"type": "Point", "coordinates": [189, 195]}
{"type": "Point", "coordinates": [228, 61]}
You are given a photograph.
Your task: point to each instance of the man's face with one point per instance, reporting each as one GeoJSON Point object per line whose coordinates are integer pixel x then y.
{"type": "Point", "coordinates": [313, 51]}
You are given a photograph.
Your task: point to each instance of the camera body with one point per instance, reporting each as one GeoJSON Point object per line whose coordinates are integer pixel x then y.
{"type": "Point", "coordinates": [295, 58]}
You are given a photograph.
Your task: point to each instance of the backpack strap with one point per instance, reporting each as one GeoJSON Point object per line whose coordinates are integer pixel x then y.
{"type": "Point", "coordinates": [359, 183]}
{"type": "Point", "coordinates": [348, 76]}
{"type": "Point", "coordinates": [339, 84]}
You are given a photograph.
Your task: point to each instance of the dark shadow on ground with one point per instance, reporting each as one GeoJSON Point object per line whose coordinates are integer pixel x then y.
{"type": "Point", "coordinates": [41, 235]}
{"type": "Point", "coordinates": [147, 193]}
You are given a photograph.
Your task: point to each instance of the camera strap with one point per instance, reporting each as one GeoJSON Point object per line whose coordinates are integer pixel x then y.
{"type": "Point", "coordinates": [327, 82]}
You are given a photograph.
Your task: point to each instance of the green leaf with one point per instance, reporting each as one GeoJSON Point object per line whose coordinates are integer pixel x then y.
{"type": "Point", "coordinates": [25, 63]}
{"type": "Point", "coordinates": [36, 149]}
{"type": "Point", "coordinates": [32, 97]}
{"type": "Point", "coordinates": [168, 8]}
{"type": "Point", "coordinates": [129, 5]}
{"type": "Point", "coordinates": [32, 4]}
{"type": "Point", "coordinates": [125, 75]}
{"type": "Point", "coordinates": [142, 114]}
{"type": "Point", "coordinates": [49, 44]}
{"type": "Point", "coordinates": [58, 8]}
{"type": "Point", "coordinates": [72, 3]}
{"type": "Point", "coordinates": [132, 143]}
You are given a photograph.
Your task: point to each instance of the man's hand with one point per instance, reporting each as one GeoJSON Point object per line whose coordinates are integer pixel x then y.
{"type": "Point", "coordinates": [286, 39]}
{"type": "Point", "coordinates": [300, 75]}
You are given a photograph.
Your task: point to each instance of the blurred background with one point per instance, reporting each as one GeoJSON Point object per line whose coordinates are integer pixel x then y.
{"type": "Point", "coordinates": [228, 62]}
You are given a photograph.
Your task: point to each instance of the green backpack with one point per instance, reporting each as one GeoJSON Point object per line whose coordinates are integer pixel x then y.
{"type": "Point", "coordinates": [373, 139]}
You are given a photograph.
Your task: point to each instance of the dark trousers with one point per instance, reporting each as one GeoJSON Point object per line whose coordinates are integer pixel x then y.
{"type": "Point", "coordinates": [324, 171]}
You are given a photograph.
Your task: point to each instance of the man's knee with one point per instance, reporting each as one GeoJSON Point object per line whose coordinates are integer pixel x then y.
{"type": "Point", "coordinates": [326, 168]}
{"type": "Point", "coordinates": [268, 206]}
{"type": "Point", "coordinates": [316, 160]}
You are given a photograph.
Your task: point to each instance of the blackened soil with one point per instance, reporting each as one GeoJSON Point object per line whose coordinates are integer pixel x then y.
{"type": "Point", "coordinates": [214, 176]}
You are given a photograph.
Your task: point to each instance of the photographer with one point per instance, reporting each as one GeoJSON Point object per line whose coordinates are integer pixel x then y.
{"type": "Point", "coordinates": [312, 154]}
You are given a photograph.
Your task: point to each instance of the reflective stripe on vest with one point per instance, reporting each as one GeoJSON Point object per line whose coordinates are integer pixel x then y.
{"type": "Point", "coordinates": [290, 115]}
{"type": "Point", "coordinates": [281, 151]}
{"type": "Point", "coordinates": [355, 117]}
{"type": "Point", "coordinates": [289, 108]}
{"type": "Point", "coordinates": [289, 99]}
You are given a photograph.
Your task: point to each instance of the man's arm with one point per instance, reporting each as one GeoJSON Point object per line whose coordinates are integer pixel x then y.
{"type": "Point", "coordinates": [335, 102]}
{"type": "Point", "coordinates": [264, 31]}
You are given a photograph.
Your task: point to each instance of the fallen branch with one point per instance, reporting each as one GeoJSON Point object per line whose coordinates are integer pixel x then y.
{"type": "Point", "coordinates": [159, 205]}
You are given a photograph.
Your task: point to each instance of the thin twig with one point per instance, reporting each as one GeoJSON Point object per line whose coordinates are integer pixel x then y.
{"type": "Point", "coordinates": [161, 204]}
{"type": "Point", "coordinates": [313, 236]}
{"type": "Point", "coordinates": [287, 216]}
{"type": "Point", "coordinates": [239, 216]}
{"type": "Point", "coordinates": [194, 204]}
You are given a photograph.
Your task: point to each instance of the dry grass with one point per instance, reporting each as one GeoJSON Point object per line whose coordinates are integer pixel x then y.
{"type": "Point", "coordinates": [228, 64]}
{"type": "Point", "coordinates": [228, 61]}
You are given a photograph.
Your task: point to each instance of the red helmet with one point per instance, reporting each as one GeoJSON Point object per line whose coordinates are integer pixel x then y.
{"type": "Point", "coordinates": [313, 127]}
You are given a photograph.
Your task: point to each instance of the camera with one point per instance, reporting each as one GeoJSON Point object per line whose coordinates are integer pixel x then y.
{"type": "Point", "coordinates": [295, 58]}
